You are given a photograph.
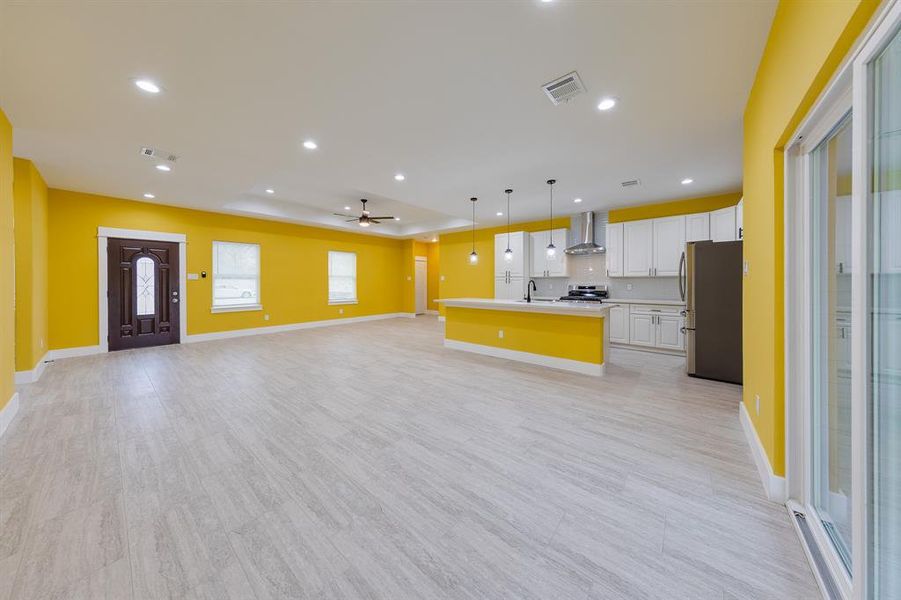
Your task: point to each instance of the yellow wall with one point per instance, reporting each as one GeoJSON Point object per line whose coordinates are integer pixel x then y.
{"type": "Point", "coordinates": [562, 336]}
{"type": "Point", "coordinates": [434, 270]}
{"type": "Point", "coordinates": [674, 207]}
{"type": "Point", "coordinates": [31, 265]}
{"type": "Point", "coordinates": [806, 44]}
{"type": "Point", "coordinates": [7, 261]}
{"type": "Point", "coordinates": [465, 280]}
{"type": "Point", "coordinates": [294, 265]}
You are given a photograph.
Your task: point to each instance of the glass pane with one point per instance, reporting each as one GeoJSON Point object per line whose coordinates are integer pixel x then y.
{"type": "Point", "coordinates": [237, 274]}
{"type": "Point", "coordinates": [831, 326]}
{"type": "Point", "coordinates": [342, 280]}
{"type": "Point", "coordinates": [885, 319]}
{"type": "Point", "coordinates": [145, 286]}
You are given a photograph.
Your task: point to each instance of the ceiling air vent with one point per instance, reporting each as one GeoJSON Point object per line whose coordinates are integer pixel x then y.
{"type": "Point", "coordinates": [631, 182]}
{"type": "Point", "coordinates": [564, 88]}
{"type": "Point", "coordinates": [158, 154]}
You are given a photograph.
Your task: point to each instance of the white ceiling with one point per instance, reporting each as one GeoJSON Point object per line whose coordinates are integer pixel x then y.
{"type": "Point", "coordinates": [446, 92]}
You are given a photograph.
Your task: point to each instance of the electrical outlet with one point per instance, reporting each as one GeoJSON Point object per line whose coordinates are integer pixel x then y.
{"type": "Point", "coordinates": [266, 317]}
{"type": "Point", "coordinates": [629, 287]}
{"type": "Point", "coordinates": [409, 278]}
{"type": "Point", "coordinates": [340, 311]}
{"type": "Point", "coordinates": [500, 333]}
{"type": "Point", "coordinates": [442, 278]}
{"type": "Point", "coordinates": [42, 343]}
{"type": "Point", "coordinates": [757, 404]}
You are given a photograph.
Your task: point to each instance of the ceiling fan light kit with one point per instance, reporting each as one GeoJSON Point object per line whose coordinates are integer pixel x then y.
{"type": "Point", "coordinates": [365, 219]}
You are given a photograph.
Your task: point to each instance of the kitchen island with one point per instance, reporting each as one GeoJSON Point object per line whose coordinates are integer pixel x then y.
{"type": "Point", "coordinates": [561, 335]}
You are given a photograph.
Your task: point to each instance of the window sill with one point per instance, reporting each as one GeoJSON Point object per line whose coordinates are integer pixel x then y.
{"type": "Point", "coordinates": [332, 302]}
{"type": "Point", "coordinates": [236, 308]}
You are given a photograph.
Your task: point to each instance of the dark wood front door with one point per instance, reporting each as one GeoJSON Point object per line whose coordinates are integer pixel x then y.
{"type": "Point", "coordinates": [143, 293]}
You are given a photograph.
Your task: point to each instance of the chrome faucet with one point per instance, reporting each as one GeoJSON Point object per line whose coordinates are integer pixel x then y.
{"type": "Point", "coordinates": [529, 288]}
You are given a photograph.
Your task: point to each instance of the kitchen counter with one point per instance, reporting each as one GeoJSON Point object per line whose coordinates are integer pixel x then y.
{"type": "Point", "coordinates": [562, 335]}
{"type": "Point", "coordinates": [645, 301]}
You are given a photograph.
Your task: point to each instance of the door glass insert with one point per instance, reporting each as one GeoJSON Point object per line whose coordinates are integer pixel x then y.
{"type": "Point", "coordinates": [145, 273]}
{"type": "Point", "coordinates": [885, 322]}
{"type": "Point", "coordinates": [832, 334]}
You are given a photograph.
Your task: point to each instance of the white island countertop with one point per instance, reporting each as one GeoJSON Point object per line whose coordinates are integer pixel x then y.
{"type": "Point", "coordinates": [645, 301]}
{"type": "Point", "coordinates": [536, 306]}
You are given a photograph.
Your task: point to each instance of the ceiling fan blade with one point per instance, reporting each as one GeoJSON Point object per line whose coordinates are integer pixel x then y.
{"type": "Point", "coordinates": [351, 220]}
{"type": "Point", "coordinates": [345, 215]}
{"type": "Point", "coordinates": [384, 218]}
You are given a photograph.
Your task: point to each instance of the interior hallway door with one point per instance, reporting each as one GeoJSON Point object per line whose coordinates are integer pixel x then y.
{"type": "Point", "coordinates": [143, 293]}
{"type": "Point", "coordinates": [421, 274]}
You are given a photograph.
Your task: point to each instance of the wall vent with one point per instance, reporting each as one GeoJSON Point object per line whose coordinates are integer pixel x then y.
{"type": "Point", "coordinates": [158, 154]}
{"type": "Point", "coordinates": [563, 89]}
{"type": "Point", "coordinates": [631, 182]}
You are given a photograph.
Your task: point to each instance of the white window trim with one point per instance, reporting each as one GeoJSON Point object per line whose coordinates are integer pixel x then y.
{"type": "Point", "coordinates": [336, 302]}
{"type": "Point", "coordinates": [103, 235]}
{"type": "Point", "coordinates": [853, 76]}
{"type": "Point", "coordinates": [238, 307]}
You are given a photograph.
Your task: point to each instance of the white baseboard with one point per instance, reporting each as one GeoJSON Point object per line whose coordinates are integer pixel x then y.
{"type": "Point", "coordinates": [773, 485]}
{"type": "Point", "coordinates": [34, 374]}
{"type": "Point", "coordinates": [234, 333]}
{"type": "Point", "coordinates": [566, 364]}
{"type": "Point", "coordinates": [431, 312]}
{"type": "Point", "coordinates": [406, 315]}
{"type": "Point", "coordinates": [8, 412]}
{"type": "Point", "coordinates": [72, 352]}
{"type": "Point", "coordinates": [441, 318]}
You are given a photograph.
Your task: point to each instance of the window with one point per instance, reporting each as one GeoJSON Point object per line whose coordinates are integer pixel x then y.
{"type": "Point", "coordinates": [236, 276]}
{"type": "Point", "coordinates": [342, 278]}
{"type": "Point", "coordinates": [145, 272]}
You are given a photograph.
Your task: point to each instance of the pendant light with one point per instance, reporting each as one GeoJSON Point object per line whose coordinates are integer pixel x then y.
{"type": "Point", "coordinates": [508, 253]}
{"type": "Point", "coordinates": [473, 256]}
{"type": "Point", "coordinates": [551, 248]}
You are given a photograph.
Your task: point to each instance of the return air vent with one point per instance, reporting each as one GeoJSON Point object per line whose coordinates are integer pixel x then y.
{"type": "Point", "coordinates": [564, 88]}
{"type": "Point", "coordinates": [631, 182]}
{"type": "Point", "coordinates": [158, 154]}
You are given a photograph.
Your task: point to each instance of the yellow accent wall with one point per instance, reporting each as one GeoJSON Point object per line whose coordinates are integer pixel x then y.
{"type": "Point", "coordinates": [7, 265]}
{"type": "Point", "coordinates": [294, 265]}
{"type": "Point", "coordinates": [561, 336]}
{"type": "Point", "coordinates": [806, 44]}
{"type": "Point", "coordinates": [31, 265]}
{"type": "Point", "coordinates": [684, 206]}
{"type": "Point", "coordinates": [464, 280]}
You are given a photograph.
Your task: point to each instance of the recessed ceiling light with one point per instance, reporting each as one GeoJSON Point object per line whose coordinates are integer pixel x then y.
{"type": "Point", "coordinates": [166, 168]}
{"type": "Point", "coordinates": [606, 103]}
{"type": "Point", "coordinates": [346, 208]}
{"type": "Point", "coordinates": [500, 214]}
{"type": "Point", "coordinates": [270, 191]}
{"type": "Point", "coordinates": [310, 145]}
{"type": "Point", "coordinates": [577, 200]}
{"type": "Point", "coordinates": [147, 86]}
{"type": "Point", "coordinates": [149, 196]}
{"type": "Point", "coordinates": [687, 180]}
{"type": "Point", "coordinates": [399, 177]}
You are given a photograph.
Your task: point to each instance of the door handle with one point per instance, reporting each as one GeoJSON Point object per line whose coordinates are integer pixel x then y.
{"type": "Point", "coordinates": [683, 313]}
{"type": "Point", "coordinates": [681, 272]}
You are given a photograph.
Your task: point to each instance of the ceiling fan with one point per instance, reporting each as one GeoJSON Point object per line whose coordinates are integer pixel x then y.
{"type": "Point", "coordinates": [364, 219]}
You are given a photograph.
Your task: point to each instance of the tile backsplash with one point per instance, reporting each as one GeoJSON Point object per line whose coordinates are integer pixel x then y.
{"type": "Point", "coordinates": [592, 270]}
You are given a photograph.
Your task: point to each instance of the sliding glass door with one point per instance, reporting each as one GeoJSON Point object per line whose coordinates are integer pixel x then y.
{"type": "Point", "coordinates": [884, 313]}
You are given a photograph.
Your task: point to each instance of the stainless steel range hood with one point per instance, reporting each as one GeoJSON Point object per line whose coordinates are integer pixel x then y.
{"type": "Point", "coordinates": [588, 233]}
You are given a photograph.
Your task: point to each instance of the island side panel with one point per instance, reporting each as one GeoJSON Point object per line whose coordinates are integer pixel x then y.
{"type": "Point", "coordinates": [562, 336]}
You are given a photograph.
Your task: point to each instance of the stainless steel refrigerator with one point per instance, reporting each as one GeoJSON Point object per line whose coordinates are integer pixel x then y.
{"type": "Point", "coordinates": [710, 286]}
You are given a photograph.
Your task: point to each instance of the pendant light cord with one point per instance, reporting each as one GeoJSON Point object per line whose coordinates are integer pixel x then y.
{"type": "Point", "coordinates": [473, 200]}
{"type": "Point", "coordinates": [508, 192]}
{"type": "Point", "coordinates": [551, 183]}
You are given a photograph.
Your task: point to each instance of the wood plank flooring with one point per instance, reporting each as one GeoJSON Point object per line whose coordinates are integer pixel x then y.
{"type": "Point", "coordinates": [367, 461]}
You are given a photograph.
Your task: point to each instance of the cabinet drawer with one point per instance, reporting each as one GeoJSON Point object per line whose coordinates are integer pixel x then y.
{"type": "Point", "coordinates": [655, 309]}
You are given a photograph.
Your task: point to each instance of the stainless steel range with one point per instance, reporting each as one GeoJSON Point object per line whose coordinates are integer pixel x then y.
{"type": "Point", "coordinates": [588, 294]}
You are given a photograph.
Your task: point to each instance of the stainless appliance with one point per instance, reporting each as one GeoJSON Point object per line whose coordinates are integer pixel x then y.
{"type": "Point", "coordinates": [586, 293]}
{"type": "Point", "coordinates": [587, 233]}
{"type": "Point", "coordinates": [710, 285]}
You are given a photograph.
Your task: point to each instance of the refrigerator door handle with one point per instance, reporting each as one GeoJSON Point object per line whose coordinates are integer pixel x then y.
{"type": "Point", "coordinates": [681, 282]}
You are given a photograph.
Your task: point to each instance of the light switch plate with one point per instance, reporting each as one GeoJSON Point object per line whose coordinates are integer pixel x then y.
{"type": "Point", "coordinates": [442, 278]}
{"type": "Point", "coordinates": [193, 276]}
{"type": "Point", "coordinates": [266, 317]}
{"type": "Point", "coordinates": [746, 267]}
{"type": "Point", "coordinates": [500, 333]}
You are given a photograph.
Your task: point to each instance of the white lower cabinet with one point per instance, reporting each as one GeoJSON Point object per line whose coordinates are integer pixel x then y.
{"type": "Point", "coordinates": [648, 326]}
{"type": "Point", "coordinates": [619, 324]}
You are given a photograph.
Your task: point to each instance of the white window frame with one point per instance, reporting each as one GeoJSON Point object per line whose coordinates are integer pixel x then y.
{"type": "Point", "coordinates": [356, 298]}
{"type": "Point", "coordinates": [848, 90]}
{"type": "Point", "coordinates": [254, 306]}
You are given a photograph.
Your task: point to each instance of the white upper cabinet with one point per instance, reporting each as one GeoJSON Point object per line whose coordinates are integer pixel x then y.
{"type": "Point", "coordinates": [518, 265]}
{"type": "Point", "coordinates": [722, 224]}
{"type": "Point", "coordinates": [697, 227]}
{"type": "Point", "coordinates": [638, 248]}
{"type": "Point", "coordinates": [669, 243]}
{"type": "Point", "coordinates": [542, 264]}
{"type": "Point", "coordinates": [614, 250]}
{"type": "Point", "coordinates": [740, 219]}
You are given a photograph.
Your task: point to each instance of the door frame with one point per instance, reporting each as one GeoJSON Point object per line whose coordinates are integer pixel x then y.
{"type": "Point", "coordinates": [103, 235]}
{"type": "Point", "coordinates": [422, 259]}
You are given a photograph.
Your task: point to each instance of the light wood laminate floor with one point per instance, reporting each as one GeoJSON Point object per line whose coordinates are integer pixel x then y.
{"type": "Point", "coordinates": [366, 461]}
